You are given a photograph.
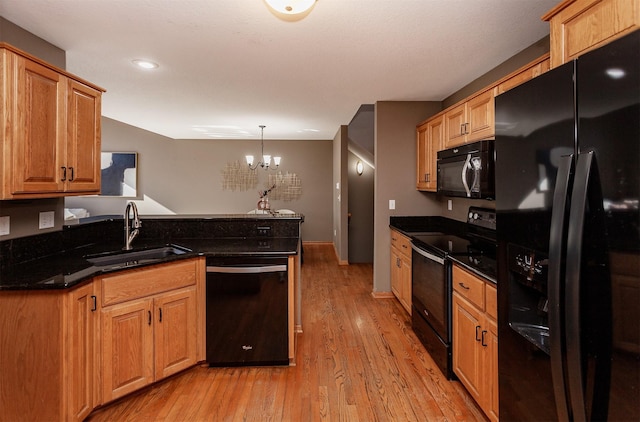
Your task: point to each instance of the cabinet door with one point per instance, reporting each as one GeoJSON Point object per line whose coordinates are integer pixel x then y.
{"type": "Point", "coordinates": [83, 138]}
{"type": "Point", "coordinates": [38, 132]}
{"type": "Point", "coordinates": [466, 340]}
{"type": "Point", "coordinates": [405, 282]}
{"type": "Point", "coordinates": [127, 348]}
{"type": "Point", "coordinates": [396, 276]}
{"type": "Point", "coordinates": [435, 134]}
{"type": "Point", "coordinates": [490, 403]}
{"type": "Point", "coordinates": [481, 117]}
{"type": "Point", "coordinates": [429, 141]}
{"type": "Point", "coordinates": [175, 332]}
{"type": "Point", "coordinates": [455, 126]}
{"type": "Point", "coordinates": [81, 353]}
{"type": "Point", "coordinates": [584, 25]}
{"type": "Point", "coordinates": [422, 155]}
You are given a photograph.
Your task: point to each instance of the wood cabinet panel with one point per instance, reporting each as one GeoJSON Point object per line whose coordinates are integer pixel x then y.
{"type": "Point", "coordinates": [82, 356]}
{"type": "Point", "coordinates": [400, 268]}
{"type": "Point", "coordinates": [175, 331]}
{"type": "Point", "coordinates": [475, 339]}
{"type": "Point", "coordinates": [467, 355]}
{"type": "Point", "coordinates": [481, 117]}
{"type": "Point", "coordinates": [127, 351]}
{"type": "Point", "coordinates": [138, 283]}
{"type": "Point", "coordinates": [430, 137]}
{"type": "Point", "coordinates": [455, 121]}
{"type": "Point", "coordinates": [578, 26]}
{"type": "Point", "coordinates": [50, 144]}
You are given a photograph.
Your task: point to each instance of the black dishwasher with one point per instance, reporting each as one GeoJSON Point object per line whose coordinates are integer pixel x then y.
{"type": "Point", "coordinates": [247, 311]}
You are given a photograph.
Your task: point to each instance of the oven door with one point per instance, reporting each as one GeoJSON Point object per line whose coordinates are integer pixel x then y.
{"type": "Point", "coordinates": [431, 291]}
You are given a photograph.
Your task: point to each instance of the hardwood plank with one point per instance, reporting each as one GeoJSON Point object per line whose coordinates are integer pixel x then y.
{"type": "Point", "coordinates": [357, 360]}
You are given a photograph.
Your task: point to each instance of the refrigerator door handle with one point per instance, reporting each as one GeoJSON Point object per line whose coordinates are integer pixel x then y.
{"type": "Point", "coordinates": [594, 340]}
{"type": "Point", "coordinates": [554, 292]}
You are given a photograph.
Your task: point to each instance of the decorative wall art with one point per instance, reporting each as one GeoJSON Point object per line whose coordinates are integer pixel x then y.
{"type": "Point", "coordinates": [119, 174]}
{"type": "Point", "coordinates": [238, 177]}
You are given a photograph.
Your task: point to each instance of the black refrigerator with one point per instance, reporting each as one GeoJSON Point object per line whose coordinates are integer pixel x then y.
{"type": "Point", "coordinates": [568, 230]}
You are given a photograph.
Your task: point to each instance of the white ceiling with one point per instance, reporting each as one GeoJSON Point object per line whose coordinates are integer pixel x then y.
{"type": "Point", "coordinates": [227, 66]}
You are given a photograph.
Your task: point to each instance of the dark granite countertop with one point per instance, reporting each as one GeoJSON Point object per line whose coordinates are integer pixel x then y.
{"type": "Point", "coordinates": [70, 268]}
{"type": "Point", "coordinates": [59, 260]}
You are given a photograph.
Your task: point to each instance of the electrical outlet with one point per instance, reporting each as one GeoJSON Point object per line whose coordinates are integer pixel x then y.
{"type": "Point", "coordinates": [5, 225]}
{"type": "Point", "coordinates": [449, 204]}
{"type": "Point", "coordinates": [392, 204]}
{"type": "Point", "coordinates": [46, 219]}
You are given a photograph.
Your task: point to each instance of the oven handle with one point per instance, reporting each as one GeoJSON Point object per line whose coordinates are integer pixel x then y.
{"type": "Point", "coordinates": [427, 254]}
{"type": "Point", "coordinates": [247, 270]}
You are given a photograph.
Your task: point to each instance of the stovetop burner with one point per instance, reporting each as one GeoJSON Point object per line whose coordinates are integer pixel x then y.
{"type": "Point", "coordinates": [476, 248]}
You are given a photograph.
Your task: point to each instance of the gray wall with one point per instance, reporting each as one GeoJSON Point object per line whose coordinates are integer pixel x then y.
{"type": "Point", "coordinates": [360, 221]}
{"type": "Point", "coordinates": [340, 188]}
{"type": "Point", "coordinates": [185, 176]}
{"type": "Point", "coordinates": [395, 176]}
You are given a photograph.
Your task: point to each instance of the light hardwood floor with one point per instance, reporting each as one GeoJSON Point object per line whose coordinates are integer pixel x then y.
{"type": "Point", "coordinates": [357, 360]}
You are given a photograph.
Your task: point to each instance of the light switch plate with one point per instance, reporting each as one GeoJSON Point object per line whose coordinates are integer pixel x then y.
{"type": "Point", "coordinates": [392, 204]}
{"type": "Point", "coordinates": [5, 225]}
{"type": "Point", "coordinates": [46, 219]}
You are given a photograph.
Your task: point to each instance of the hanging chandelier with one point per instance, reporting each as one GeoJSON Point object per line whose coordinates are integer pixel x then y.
{"type": "Point", "coordinates": [266, 158]}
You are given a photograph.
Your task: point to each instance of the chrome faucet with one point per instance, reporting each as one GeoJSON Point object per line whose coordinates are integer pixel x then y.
{"type": "Point", "coordinates": [128, 234]}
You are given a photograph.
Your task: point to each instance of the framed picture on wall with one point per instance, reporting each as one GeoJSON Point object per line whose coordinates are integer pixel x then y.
{"type": "Point", "coordinates": [119, 174]}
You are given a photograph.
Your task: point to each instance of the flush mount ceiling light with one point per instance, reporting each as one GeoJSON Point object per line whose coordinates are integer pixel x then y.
{"type": "Point", "coordinates": [145, 64]}
{"type": "Point", "coordinates": [266, 159]}
{"type": "Point", "coordinates": [290, 10]}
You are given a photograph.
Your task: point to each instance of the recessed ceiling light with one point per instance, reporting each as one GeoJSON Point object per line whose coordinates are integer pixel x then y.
{"type": "Point", "coordinates": [145, 64]}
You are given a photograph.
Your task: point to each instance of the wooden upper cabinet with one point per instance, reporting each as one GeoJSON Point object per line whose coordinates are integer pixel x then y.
{"type": "Point", "coordinates": [429, 140]}
{"type": "Point", "coordinates": [481, 117]}
{"type": "Point", "coordinates": [83, 137]}
{"type": "Point", "coordinates": [525, 73]}
{"type": "Point", "coordinates": [577, 26]}
{"type": "Point", "coordinates": [470, 121]}
{"type": "Point", "coordinates": [50, 142]}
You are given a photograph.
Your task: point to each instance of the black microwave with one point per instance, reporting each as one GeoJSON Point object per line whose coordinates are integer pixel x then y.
{"type": "Point", "coordinates": [468, 170]}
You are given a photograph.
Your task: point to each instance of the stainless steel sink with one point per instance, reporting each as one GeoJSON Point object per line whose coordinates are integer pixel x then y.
{"type": "Point", "coordinates": [135, 256]}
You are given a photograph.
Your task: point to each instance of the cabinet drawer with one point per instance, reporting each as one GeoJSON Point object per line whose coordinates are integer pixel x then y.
{"type": "Point", "coordinates": [401, 242]}
{"type": "Point", "coordinates": [147, 281]}
{"type": "Point", "coordinates": [491, 299]}
{"type": "Point", "coordinates": [468, 286]}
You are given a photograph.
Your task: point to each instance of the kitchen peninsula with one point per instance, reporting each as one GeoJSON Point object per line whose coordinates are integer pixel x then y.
{"type": "Point", "coordinates": [79, 319]}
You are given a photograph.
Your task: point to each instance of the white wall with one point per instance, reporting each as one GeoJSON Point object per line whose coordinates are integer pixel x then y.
{"type": "Point", "coordinates": [185, 176]}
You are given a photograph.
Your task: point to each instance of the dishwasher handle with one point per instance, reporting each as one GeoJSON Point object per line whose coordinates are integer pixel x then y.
{"type": "Point", "coordinates": [427, 254]}
{"type": "Point", "coordinates": [246, 270]}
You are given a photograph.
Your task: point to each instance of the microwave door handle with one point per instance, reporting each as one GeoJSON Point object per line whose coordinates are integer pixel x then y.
{"type": "Point", "coordinates": [465, 167]}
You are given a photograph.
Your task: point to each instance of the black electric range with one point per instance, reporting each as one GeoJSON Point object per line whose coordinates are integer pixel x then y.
{"type": "Point", "coordinates": [474, 249]}
{"type": "Point", "coordinates": [431, 279]}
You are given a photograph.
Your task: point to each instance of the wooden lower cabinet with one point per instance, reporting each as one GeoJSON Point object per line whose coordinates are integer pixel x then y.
{"type": "Point", "coordinates": [47, 354]}
{"type": "Point", "coordinates": [149, 326]}
{"type": "Point", "coordinates": [475, 339]}
{"type": "Point", "coordinates": [81, 360]}
{"type": "Point", "coordinates": [401, 268]}
{"type": "Point", "coordinates": [147, 340]}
